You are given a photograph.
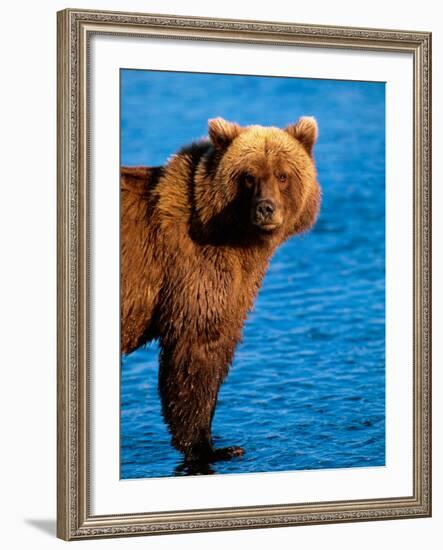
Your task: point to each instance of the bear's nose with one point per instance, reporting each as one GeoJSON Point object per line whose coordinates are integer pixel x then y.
{"type": "Point", "coordinates": [265, 208]}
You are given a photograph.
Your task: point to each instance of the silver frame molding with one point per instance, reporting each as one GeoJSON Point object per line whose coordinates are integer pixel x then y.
{"type": "Point", "coordinates": [75, 28]}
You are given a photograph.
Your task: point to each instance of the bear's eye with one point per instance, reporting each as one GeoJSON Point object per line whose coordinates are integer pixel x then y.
{"type": "Point", "coordinates": [282, 178]}
{"type": "Point", "coordinates": [249, 180]}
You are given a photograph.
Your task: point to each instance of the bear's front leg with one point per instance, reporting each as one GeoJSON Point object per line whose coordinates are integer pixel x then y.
{"type": "Point", "coordinates": [189, 380]}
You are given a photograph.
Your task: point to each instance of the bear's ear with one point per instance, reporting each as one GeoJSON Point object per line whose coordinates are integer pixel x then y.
{"type": "Point", "coordinates": [222, 132]}
{"type": "Point", "coordinates": [305, 131]}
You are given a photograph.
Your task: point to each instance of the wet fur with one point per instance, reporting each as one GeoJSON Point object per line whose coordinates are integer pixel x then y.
{"type": "Point", "coordinates": [192, 262]}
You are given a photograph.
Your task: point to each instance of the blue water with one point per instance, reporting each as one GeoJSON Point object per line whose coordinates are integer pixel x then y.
{"type": "Point", "coordinates": [307, 386]}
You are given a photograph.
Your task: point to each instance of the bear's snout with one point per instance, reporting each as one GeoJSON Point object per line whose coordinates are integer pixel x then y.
{"type": "Point", "coordinates": [264, 210]}
{"type": "Point", "coordinates": [265, 214]}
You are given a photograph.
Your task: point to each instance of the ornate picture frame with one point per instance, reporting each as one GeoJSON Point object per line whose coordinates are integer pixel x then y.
{"type": "Point", "coordinates": [75, 517]}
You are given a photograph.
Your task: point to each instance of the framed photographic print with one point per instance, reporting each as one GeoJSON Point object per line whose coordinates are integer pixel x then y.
{"type": "Point", "coordinates": [244, 291]}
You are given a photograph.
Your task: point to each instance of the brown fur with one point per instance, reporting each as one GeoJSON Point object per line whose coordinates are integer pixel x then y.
{"type": "Point", "coordinates": [196, 239]}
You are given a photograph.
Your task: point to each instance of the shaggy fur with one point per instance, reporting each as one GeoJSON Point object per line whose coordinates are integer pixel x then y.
{"type": "Point", "coordinates": [196, 239]}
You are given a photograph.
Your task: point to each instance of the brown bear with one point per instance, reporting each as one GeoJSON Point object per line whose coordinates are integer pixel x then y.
{"type": "Point", "coordinates": [196, 238]}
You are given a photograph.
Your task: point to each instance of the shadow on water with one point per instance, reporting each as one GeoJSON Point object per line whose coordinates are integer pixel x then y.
{"type": "Point", "coordinates": [48, 526]}
{"type": "Point", "coordinates": [193, 469]}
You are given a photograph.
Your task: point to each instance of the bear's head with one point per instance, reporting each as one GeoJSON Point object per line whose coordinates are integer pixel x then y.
{"type": "Point", "coordinates": [263, 179]}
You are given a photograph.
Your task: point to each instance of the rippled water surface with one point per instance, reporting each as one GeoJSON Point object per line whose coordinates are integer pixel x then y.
{"type": "Point", "coordinates": [307, 386]}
